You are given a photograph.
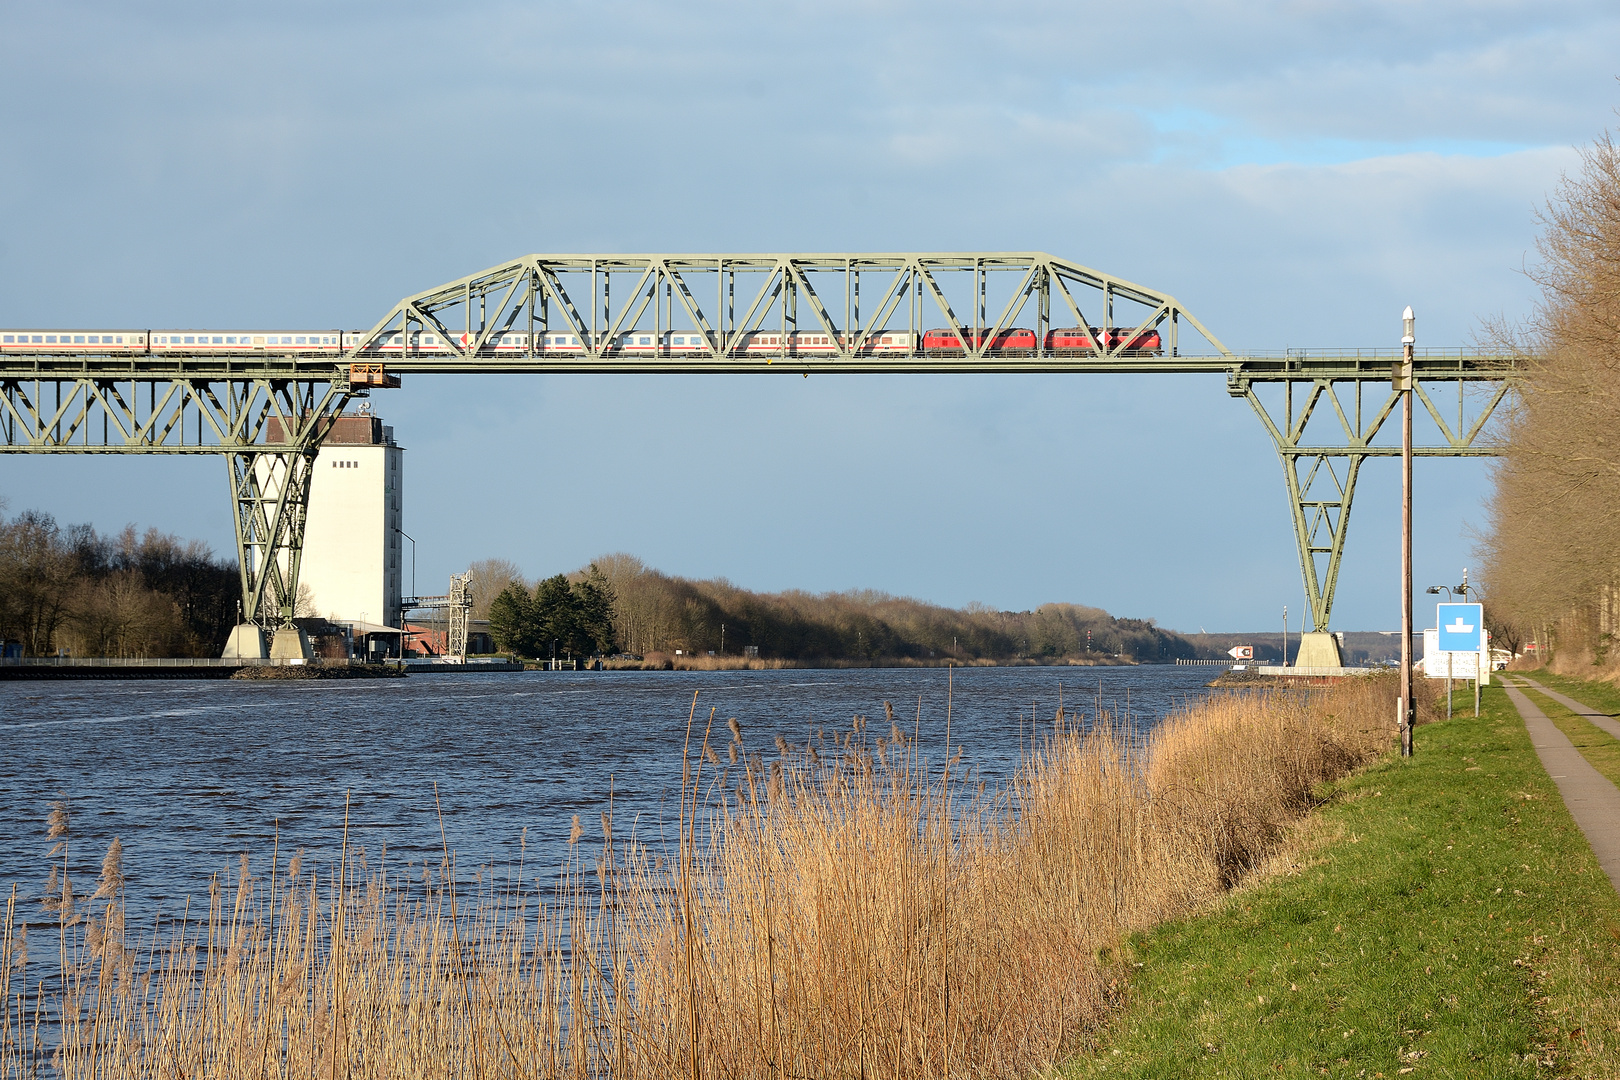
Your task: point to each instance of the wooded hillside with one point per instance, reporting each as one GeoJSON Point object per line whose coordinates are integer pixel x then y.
{"type": "Point", "coordinates": [653, 612]}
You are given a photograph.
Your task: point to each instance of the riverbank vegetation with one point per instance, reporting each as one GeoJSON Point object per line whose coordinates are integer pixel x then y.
{"type": "Point", "coordinates": [654, 612]}
{"type": "Point", "coordinates": [1442, 916]}
{"type": "Point", "coordinates": [129, 595]}
{"type": "Point", "coordinates": [856, 905]}
{"type": "Point", "coordinates": [1553, 546]}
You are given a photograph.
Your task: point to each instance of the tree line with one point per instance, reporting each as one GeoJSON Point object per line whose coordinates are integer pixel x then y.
{"type": "Point", "coordinates": [558, 617]}
{"type": "Point", "coordinates": [1552, 549]}
{"type": "Point", "coordinates": [648, 611]}
{"type": "Point", "coordinates": [68, 588]}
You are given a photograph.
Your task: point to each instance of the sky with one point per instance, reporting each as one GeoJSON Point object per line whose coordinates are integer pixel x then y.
{"type": "Point", "coordinates": [1295, 173]}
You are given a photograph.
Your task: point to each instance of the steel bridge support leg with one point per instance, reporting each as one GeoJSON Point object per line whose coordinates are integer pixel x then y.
{"type": "Point", "coordinates": [270, 501]}
{"type": "Point", "coordinates": [1319, 497]}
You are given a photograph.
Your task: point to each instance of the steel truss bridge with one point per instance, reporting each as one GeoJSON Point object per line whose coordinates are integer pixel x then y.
{"type": "Point", "coordinates": [267, 409]}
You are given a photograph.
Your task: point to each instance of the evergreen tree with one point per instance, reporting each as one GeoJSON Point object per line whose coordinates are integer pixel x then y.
{"type": "Point", "coordinates": [512, 621]}
{"type": "Point", "coordinates": [593, 603]}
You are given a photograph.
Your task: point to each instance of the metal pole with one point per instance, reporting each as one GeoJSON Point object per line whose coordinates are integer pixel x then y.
{"type": "Point", "coordinates": [1404, 386]}
{"type": "Point", "coordinates": [1484, 656]}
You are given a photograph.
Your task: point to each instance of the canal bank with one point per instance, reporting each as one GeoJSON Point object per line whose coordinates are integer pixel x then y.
{"type": "Point", "coordinates": [1442, 915]}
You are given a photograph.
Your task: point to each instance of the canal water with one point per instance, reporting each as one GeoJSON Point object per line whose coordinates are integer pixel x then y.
{"type": "Point", "coordinates": [190, 775]}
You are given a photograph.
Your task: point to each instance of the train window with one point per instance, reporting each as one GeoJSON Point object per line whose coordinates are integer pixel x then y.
{"type": "Point", "coordinates": [10, 339]}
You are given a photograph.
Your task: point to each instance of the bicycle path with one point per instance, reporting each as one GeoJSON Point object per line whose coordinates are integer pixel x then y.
{"type": "Point", "coordinates": [1601, 719]}
{"type": "Point", "coordinates": [1593, 801]}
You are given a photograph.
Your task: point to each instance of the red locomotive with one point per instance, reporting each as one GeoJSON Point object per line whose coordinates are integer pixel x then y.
{"type": "Point", "coordinates": [1014, 341]}
{"type": "Point", "coordinates": [1081, 341]}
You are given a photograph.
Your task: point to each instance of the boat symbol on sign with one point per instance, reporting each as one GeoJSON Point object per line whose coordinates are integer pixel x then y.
{"type": "Point", "coordinates": [1460, 627]}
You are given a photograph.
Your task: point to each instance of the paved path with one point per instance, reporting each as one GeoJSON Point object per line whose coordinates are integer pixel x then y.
{"type": "Point", "coordinates": [1593, 801]}
{"type": "Point", "coordinates": [1601, 719]}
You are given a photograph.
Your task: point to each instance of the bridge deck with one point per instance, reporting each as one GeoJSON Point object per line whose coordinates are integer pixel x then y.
{"type": "Point", "coordinates": [1356, 364]}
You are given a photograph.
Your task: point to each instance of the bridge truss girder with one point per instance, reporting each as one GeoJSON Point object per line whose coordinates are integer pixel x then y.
{"type": "Point", "coordinates": [268, 430]}
{"type": "Point", "coordinates": [1320, 476]}
{"type": "Point", "coordinates": [818, 293]}
{"type": "Point", "coordinates": [266, 411]}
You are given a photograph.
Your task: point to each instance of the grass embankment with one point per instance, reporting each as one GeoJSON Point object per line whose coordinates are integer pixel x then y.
{"type": "Point", "coordinates": [843, 910]}
{"type": "Point", "coordinates": [1600, 694]}
{"type": "Point", "coordinates": [1596, 745]}
{"type": "Point", "coordinates": [1445, 918]}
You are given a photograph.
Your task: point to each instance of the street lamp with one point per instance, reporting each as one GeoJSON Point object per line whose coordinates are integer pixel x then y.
{"type": "Point", "coordinates": [1436, 590]}
{"type": "Point", "coordinates": [1466, 588]}
{"type": "Point", "coordinates": [407, 536]}
{"type": "Point", "coordinates": [1470, 592]}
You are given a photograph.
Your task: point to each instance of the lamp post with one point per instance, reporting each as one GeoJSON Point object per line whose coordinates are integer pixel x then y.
{"type": "Point", "coordinates": [1485, 652]}
{"type": "Point", "coordinates": [400, 615]}
{"type": "Point", "coordinates": [1436, 590]}
{"type": "Point", "coordinates": [1401, 380]}
{"type": "Point", "coordinates": [407, 536]}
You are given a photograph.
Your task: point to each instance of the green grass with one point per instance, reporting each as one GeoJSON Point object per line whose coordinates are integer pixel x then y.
{"type": "Point", "coordinates": [1447, 919]}
{"type": "Point", "coordinates": [1596, 745]}
{"type": "Point", "coordinates": [1604, 696]}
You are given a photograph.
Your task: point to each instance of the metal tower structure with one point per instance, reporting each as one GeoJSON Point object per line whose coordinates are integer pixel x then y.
{"type": "Point", "coordinates": [267, 427]}
{"type": "Point", "coordinates": [266, 409]}
{"type": "Point", "coordinates": [457, 605]}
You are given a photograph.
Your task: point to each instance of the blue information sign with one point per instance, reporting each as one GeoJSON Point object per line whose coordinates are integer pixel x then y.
{"type": "Point", "coordinates": [1462, 627]}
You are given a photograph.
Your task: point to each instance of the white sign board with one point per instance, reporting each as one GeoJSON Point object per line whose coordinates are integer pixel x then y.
{"type": "Point", "coordinates": [1241, 652]}
{"type": "Point", "coordinates": [1441, 663]}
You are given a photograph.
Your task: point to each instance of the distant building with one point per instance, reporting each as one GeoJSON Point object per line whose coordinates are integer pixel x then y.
{"type": "Point", "coordinates": [429, 637]}
{"type": "Point", "coordinates": [353, 556]}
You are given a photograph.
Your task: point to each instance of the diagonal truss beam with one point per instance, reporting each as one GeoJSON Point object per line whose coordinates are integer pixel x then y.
{"type": "Point", "coordinates": [268, 430]}
{"type": "Point", "coordinates": [1320, 467]}
{"type": "Point", "coordinates": [581, 290]}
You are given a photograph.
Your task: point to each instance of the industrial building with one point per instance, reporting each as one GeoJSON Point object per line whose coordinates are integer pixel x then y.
{"type": "Point", "coordinates": [352, 569]}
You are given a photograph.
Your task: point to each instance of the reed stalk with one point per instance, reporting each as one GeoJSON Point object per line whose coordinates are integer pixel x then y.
{"type": "Point", "coordinates": [852, 913]}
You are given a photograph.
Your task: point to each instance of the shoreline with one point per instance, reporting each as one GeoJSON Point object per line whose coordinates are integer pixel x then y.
{"type": "Point", "coordinates": [1440, 914]}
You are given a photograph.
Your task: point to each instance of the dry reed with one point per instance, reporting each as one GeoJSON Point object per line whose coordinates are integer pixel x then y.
{"type": "Point", "coordinates": [862, 915]}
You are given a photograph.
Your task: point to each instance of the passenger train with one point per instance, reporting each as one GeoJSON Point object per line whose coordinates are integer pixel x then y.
{"type": "Point", "coordinates": [1012, 342]}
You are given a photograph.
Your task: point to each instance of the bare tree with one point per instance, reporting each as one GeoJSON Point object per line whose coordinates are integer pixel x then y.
{"type": "Point", "coordinates": [488, 578]}
{"type": "Point", "coordinates": [1553, 550]}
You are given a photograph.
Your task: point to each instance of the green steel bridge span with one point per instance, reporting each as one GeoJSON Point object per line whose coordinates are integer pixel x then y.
{"type": "Point", "coordinates": [266, 409]}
